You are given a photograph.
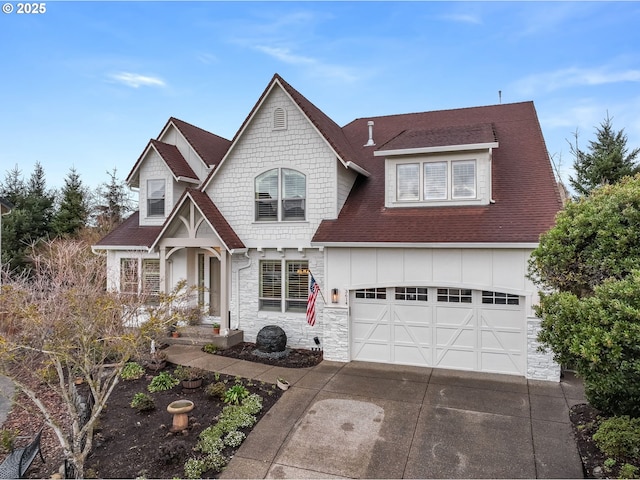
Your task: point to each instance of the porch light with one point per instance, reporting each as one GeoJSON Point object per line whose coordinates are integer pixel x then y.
{"type": "Point", "coordinates": [334, 295]}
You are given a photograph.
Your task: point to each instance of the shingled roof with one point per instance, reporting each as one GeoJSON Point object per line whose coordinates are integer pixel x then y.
{"type": "Point", "coordinates": [209, 146]}
{"type": "Point", "coordinates": [130, 234]}
{"type": "Point", "coordinates": [216, 219]}
{"type": "Point", "coordinates": [523, 186]}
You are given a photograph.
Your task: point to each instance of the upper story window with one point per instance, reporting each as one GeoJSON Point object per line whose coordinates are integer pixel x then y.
{"type": "Point", "coordinates": [155, 197]}
{"type": "Point", "coordinates": [279, 118]}
{"type": "Point", "coordinates": [280, 195]}
{"type": "Point", "coordinates": [443, 180]}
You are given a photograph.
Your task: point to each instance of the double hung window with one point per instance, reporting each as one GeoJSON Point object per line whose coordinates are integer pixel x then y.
{"type": "Point", "coordinates": [140, 277]}
{"type": "Point", "coordinates": [284, 293]}
{"type": "Point", "coordinates": [280, 195]}
{"type": "Point", "coordinates": [155, 197]}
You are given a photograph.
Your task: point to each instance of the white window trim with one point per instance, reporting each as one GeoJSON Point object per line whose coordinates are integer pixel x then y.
{"type": "Point", "coordinates": [280, 198]}
{"type": "Point", "coordinates": [284, 282]}
{"type": "Point", "coordinates": [164, 197]}
{"type": "Point", "coordinates": [449, 177]}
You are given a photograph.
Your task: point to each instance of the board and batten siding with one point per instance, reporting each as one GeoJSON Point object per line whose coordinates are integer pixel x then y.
{"type": "Point", "coordinates": [500, 270]}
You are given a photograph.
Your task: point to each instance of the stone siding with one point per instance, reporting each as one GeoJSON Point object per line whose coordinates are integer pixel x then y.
{"type": "Point", "coordinates": [540, 365]}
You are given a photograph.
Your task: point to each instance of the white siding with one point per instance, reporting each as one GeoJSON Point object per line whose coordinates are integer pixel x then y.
{"type": "Point", "coordinates": [173, 137]}
{"type": "Point", "coordinates": [153, 167]}
{"type": "Point", "coordinates": [261, 148]}
{"type": "Point", "coordinates": [346, 178]}
{"type": "Point", "coordinates": [246, 314]}
{"type": "Point", "coordinates": [483, 178]}
{"type": "Point", "coordinates": [501, 270]}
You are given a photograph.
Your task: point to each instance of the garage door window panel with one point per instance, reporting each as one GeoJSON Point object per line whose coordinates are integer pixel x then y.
{"type": "Point", "coordinates": [372, 293]}
{"type": "Point", "coordinates": [454, 295]}
{"type": "Point", "coordinates": [498, 298]}
{"type": "Point", "coordinates": [419, 294]}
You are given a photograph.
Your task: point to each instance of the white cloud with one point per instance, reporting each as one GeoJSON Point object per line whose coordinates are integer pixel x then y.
{"type": "Point", "coordinates": [136, 80]}
{"type": "Point", "coordinates": [463, 18]}
{"type": "Point", "coordinates": [573, 77]}
{"type": "Point", "coordinates": [327, 70]}
{"type": "Point", "coordinates": [285, 55]}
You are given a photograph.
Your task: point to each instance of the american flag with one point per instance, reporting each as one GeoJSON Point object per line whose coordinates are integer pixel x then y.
{"type": "Point", "coordinates": [314, 288]}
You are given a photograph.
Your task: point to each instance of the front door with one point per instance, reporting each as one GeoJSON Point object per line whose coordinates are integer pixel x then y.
{"type": "Point", "coordinates": [209, 284]}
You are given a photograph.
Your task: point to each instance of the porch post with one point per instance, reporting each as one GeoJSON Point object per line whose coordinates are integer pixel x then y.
{"type": "Point", "coordinates": [224, 290]}
{"type": "Point", "coordinates": [163, 269]}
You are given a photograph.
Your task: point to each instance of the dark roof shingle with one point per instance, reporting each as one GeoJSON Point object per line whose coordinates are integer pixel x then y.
{"type": "Point", "coordinates": [130, 234]}
{"type": "Point", "coordinates": [523, 185]}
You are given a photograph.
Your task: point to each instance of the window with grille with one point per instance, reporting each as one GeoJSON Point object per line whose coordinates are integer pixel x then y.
{"type": "Point", "coordinates": [280, 195]}
{"type": "Point", "coordinates": [454, 295]}
{"type": "Point", "coordinates": [270, 285]}
{"type": "Point", "coordinates": [151, 278]}
{"type": "Point", "coordinates": [129, 275]}
{"type": "Point", "coordinates": [294, 285]}
{"type": "Point", "coordinates": [155, 197]}
{"type": "Point", "coordinates": [279, 119]}
{"type": "Point", "coordinates": [373, 293]}
{"type": "Point", "coordinates": [412, 293]}
{"type": "Point", "coordinates": [297, 287]}
{"type": "Point", "coordinates": [498, 298]}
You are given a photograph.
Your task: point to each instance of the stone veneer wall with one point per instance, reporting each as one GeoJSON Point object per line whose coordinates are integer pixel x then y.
{"type": "Point", "coordinates": [540, 365]}
{"type": "Point", "coordinates": [336, 333]}
{"type": "Point", "coordinates": [251, 319]}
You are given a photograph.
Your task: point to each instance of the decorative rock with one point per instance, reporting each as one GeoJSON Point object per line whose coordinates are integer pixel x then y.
{"type": "Point", "coordinates": [271, 339]}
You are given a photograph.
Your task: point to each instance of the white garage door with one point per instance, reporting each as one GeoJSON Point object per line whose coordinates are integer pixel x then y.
{"type": "Point", "coordinates": [439, 327]}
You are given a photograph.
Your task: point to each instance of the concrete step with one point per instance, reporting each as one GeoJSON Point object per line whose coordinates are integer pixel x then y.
{"type": "Point", "coordinates": [202, 335]}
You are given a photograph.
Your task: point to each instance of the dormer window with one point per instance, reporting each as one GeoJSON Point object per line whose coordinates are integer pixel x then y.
{"type": "Point", "coordinates": [279, 119]}
{"type": "Point", "coordinates": [441, 180]}
{"type": "Point", "coordinates": [155, 198]}
{"type": "Point", "coordinates": [280, 195]}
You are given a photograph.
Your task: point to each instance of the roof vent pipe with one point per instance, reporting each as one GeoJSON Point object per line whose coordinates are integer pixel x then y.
{"type": "Point", "coordinates": [370, 142]}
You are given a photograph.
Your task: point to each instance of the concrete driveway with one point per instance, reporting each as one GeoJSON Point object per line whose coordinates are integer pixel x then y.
{"type": "Point", "coordinates": [366, 420]}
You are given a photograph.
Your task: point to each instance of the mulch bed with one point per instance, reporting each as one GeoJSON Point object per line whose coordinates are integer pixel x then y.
{"type": "Point", "coordinates": [129, 444]}
{"type": "Point", "coordinates": [585, 421]}
{"type": "Point", "coordinates": [297, 358]}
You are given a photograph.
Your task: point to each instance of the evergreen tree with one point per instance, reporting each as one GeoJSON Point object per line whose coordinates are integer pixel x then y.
{"type": "Point", "coordinates": [73, 211]}
{"type": "Point", "coordinates": [114, 203]}
{"type": "Point", "coordinates": [605, 162]}
{"type": "Point", "coordinates": [30, 219]}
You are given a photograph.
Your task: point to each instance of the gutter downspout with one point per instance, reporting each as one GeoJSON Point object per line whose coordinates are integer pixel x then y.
{"type": "Point", "coordinates": [246, 254]}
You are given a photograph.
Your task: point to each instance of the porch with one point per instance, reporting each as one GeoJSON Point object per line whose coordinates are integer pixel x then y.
{"type": "Point", "coordinates": [201, 335]}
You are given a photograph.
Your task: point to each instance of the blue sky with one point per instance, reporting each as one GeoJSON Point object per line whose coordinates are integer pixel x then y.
{"type": "Point", "coordinates": [87, 84]}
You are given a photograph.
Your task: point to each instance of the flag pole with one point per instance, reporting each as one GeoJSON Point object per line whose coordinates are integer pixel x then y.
{"type": "Point", "coordinates": [320, 290]}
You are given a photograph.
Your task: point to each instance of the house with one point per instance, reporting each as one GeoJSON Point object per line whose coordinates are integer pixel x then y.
{"type": "Point", "coordinates": [417, 228]}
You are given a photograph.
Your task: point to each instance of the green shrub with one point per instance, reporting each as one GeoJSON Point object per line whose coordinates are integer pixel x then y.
{"type": "Point", "coordinates": [132, 371]}
{"type": "Point", "coordinates": [628, 471]}
{"type": "Point", "coordinates": [216, 390]}
{"type": "Point", "coordinates": [599, 335]}
{"type": "Point", "coordinates": [7, 439]}
{"type": "Point", "coordinates": [194, 468]}
{"type": "Point", "coordinates": [252, 404]}
{"type": "Point", "coordinates": [619, 437]}
{"type": "Point", "coordinates": [142, 402]}
{"type": "Point", "coordinates": [161, 382]}
{"type": "Point", "coordinates": [210, 348]}
{"type": "Point", "coordinates": [235, 394]}
{"type": "Point", "coordinates": [234, 439]}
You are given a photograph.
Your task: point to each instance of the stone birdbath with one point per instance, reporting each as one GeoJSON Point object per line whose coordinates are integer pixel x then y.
{"type": "Point", "coordinates": [179, 409]}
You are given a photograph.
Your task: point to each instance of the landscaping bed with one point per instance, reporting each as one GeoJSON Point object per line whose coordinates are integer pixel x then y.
{"type": "Point", "coordinates": [585, 421]}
